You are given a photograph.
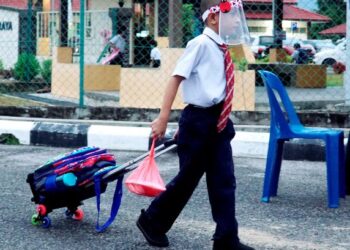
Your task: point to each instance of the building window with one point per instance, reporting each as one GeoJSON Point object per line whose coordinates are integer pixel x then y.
{"type": "Point", "coordinates": [298, 30]}
{"type": "Point", "coordinates": [48, 24]}
{"type": "Point", "coordinates": [257, 29]}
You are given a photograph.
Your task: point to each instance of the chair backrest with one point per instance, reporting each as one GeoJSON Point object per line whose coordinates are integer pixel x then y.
{"type": "Point", "coordinates": [279, 118]}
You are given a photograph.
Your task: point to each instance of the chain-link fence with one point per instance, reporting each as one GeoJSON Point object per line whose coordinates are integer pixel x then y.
{"type": "Point", "coordinates": [130, 49]}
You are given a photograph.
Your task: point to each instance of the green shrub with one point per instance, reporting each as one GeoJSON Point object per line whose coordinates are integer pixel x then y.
{"type": "Point", "coordinates": [1, 66]}
{"type": "Point", "coordinates": [187, 21]}
{"type": "Point", "coordinates": [8, 139]}
{"type": "Point", "coordinates": [266, 59]}
{"type": "Point", "coordinates": [241, 65]}
{"type": "Point", "coordinates": [46, 68]}
{"type": "Point", "coordinates": [289, 59]}
{"type": "Point", "coordinates": [26, 68]}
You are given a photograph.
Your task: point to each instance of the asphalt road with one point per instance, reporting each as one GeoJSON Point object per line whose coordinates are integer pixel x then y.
{"type": "Point", "coordinates": [297, 219]}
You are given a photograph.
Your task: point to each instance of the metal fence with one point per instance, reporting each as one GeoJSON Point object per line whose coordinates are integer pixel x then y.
{"type": "Point", "coordinates": [58, 52]}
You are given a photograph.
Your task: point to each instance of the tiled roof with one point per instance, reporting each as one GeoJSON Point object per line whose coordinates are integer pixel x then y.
{"type": "Point", "coordinates": [290, 12]}
{"type": "Point", "coordinates": [336, 30]}
{"type": "Point", "coordinates": [19, 4]}
{"type": "Point", "coordinates": [23, 4]}
{"type": "Point", "coordinates": [270, 1]}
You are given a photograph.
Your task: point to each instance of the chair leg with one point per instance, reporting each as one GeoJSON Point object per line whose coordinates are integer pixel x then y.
{"type": "Point", "coordinates": [347, 167]}
{"type": "Point", "coordinates": [277, 168]}
{"type": "Point", "coordinates": [333, 170]}
{"type": "Point", "coordinates": [273, 166]}
{"type": "Point", "coordinates": [342, 167]}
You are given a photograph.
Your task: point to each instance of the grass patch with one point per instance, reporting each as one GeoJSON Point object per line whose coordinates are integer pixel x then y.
{"type": "Point", "coordinates": [14, 101]}
{"type": "Point", "coordinates": [8, 139]}
{"type": "Point", "coordinates": [262, 60]}
{"type": "Point", "coordinates": [335, 80]}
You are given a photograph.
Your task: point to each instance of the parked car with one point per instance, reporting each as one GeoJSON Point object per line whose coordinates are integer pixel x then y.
{"type": "Point", "coordinates": [289, 43]}
{"type": "Point", "coordinates": [321, 44]}
{"type": "Point", "coordinates": [331, 56]}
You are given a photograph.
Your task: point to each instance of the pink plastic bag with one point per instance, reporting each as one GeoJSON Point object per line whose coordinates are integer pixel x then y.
{"type": "Point", "coordinates": [111, 56]}
{"type": "Point", "coordinates": [145, 179]}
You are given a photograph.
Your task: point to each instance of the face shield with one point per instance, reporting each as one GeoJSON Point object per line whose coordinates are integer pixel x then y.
{"type": "Point", "coordinates": [233, 27]}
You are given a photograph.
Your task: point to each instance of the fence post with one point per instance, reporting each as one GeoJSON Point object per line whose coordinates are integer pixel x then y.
{"type": "Point", "coordinates": [81, 53]}
{"type": "Point", "coordinates": [347, 72]}
{"type": "Point", "coordinates": [64, 23]}
{"type": "Point", "coordinates": [28, 47]}
{"type": "Point", "coordinates": [277, 16]}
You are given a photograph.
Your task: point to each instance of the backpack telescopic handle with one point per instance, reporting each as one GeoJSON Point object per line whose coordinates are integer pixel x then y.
{"type": "Point", "coordinates": [128, 166]}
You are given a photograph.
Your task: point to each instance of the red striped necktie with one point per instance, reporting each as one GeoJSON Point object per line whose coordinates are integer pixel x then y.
{"type": "Point", "coordinates": [230, 80]}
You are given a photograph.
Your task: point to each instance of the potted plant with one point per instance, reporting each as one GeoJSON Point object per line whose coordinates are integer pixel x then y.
{"type": "Point", "coordinates": [339, 68]}
{"type": "Point", "coordinates": [244, 90]}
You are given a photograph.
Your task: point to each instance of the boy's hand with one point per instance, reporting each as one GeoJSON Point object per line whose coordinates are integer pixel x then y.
{"type": "Point", "coordinates": [176, 134]}
{"type": "Point", "coordinates": [159, 126]}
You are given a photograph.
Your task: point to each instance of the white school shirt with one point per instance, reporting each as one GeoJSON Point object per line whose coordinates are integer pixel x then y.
{"type": "Point", "coordinates": [202, 66]}
{"type": "Point", "coordinates": [155, 54]}
{"type": "Point", "coordinates": [119, 42]}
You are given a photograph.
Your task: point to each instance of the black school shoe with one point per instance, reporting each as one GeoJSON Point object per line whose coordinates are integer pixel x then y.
{"type": "Point", "coordinates": [153, 237]}
{"type": "Point", "coordinates": [221, 246]}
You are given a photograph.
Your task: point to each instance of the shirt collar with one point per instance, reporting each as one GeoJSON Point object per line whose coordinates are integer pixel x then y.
{"type": "Point", "coordinates": [213, 35]}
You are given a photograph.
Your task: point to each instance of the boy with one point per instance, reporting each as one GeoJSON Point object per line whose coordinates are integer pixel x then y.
{"type": "Point", "coordinates": [118, 42]}
{"type": "Point", "coordinates": [203, 139]}
{"type": "Point", "coordinates": [299, 55]}
{"type": "Point", "coordinates": [155, 55]}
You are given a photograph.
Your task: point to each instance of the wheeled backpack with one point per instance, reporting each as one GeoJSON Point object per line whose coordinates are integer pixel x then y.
{"type": "Point", "coordinates": [68, 179]}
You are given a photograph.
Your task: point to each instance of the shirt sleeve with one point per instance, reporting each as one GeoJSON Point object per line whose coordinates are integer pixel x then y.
{"type": "Point", "coordinates": [114, 40]}
{"type": "Point", "coordinates": [295, 54]}
{"type": "Point", "coordinates": [189, 60]}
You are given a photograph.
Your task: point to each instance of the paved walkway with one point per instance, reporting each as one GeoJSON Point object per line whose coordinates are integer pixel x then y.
{"type": "Point", "coordinates": [298, 218]}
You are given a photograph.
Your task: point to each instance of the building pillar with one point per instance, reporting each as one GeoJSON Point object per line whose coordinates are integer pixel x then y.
{"type": "Point", "coordinates": [175, 26]}
{"type": "Point", "coordinates": [27, 30]}
{"type": "Point", "coordinates": [156, 19]}
{"type": "Point", "coordinates": [163, 18]}
{"type": "Point", "coordinates": [277, 54]}
{"type": "Point", "coordinates": [308, 27]}
{"type": "Point", "coordinates": [277, 17]}
{"type": "Point", "coordinates": [112, 13]}
{"type": "Point", "coordinates": [64, 23]}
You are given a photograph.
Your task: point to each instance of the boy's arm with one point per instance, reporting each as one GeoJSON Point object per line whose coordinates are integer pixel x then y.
{"type": "Point", "coordinates": [160, 123]}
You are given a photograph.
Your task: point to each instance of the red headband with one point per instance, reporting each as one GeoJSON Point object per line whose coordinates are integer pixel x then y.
{"type": "Point", "coordinates": [224, 7]}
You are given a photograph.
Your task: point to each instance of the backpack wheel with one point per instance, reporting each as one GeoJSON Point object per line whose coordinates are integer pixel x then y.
{"type": "Point", "coordinates": [69, 214]}
{"type": "Point", "coordinates": [46, 222]}
{"type": "Point", "coordinates": [41, 209]}
{"type": "Point", "coordinates": [78, 214]}
{"type": "Point", "coordinates": [36, 220]}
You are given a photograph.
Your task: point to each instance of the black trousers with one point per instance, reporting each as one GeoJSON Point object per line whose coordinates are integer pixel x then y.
{"type": "Point", "coordinates": [201, 150]}
{"type": "Point", "coordinates": [118, 60]}
{"type": "Point", "coordinates": [156, 64]}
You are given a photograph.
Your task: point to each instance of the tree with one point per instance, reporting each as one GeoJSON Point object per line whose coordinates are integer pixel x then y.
{"type": "Point", "coordinates": [187, 21]}
{"type": "Point", "coordinates": [335, 10]}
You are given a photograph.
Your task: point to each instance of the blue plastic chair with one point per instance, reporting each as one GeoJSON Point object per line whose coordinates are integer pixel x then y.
{"type": "Point", "coordinates": [285, 126]}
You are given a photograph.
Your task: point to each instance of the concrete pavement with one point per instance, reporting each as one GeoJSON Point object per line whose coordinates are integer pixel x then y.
{"type": "Point", "coordinates": [297, 219]}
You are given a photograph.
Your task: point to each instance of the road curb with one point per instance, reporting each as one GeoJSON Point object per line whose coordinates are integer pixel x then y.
{"type": "Point", "coordinates": [137, 138]}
